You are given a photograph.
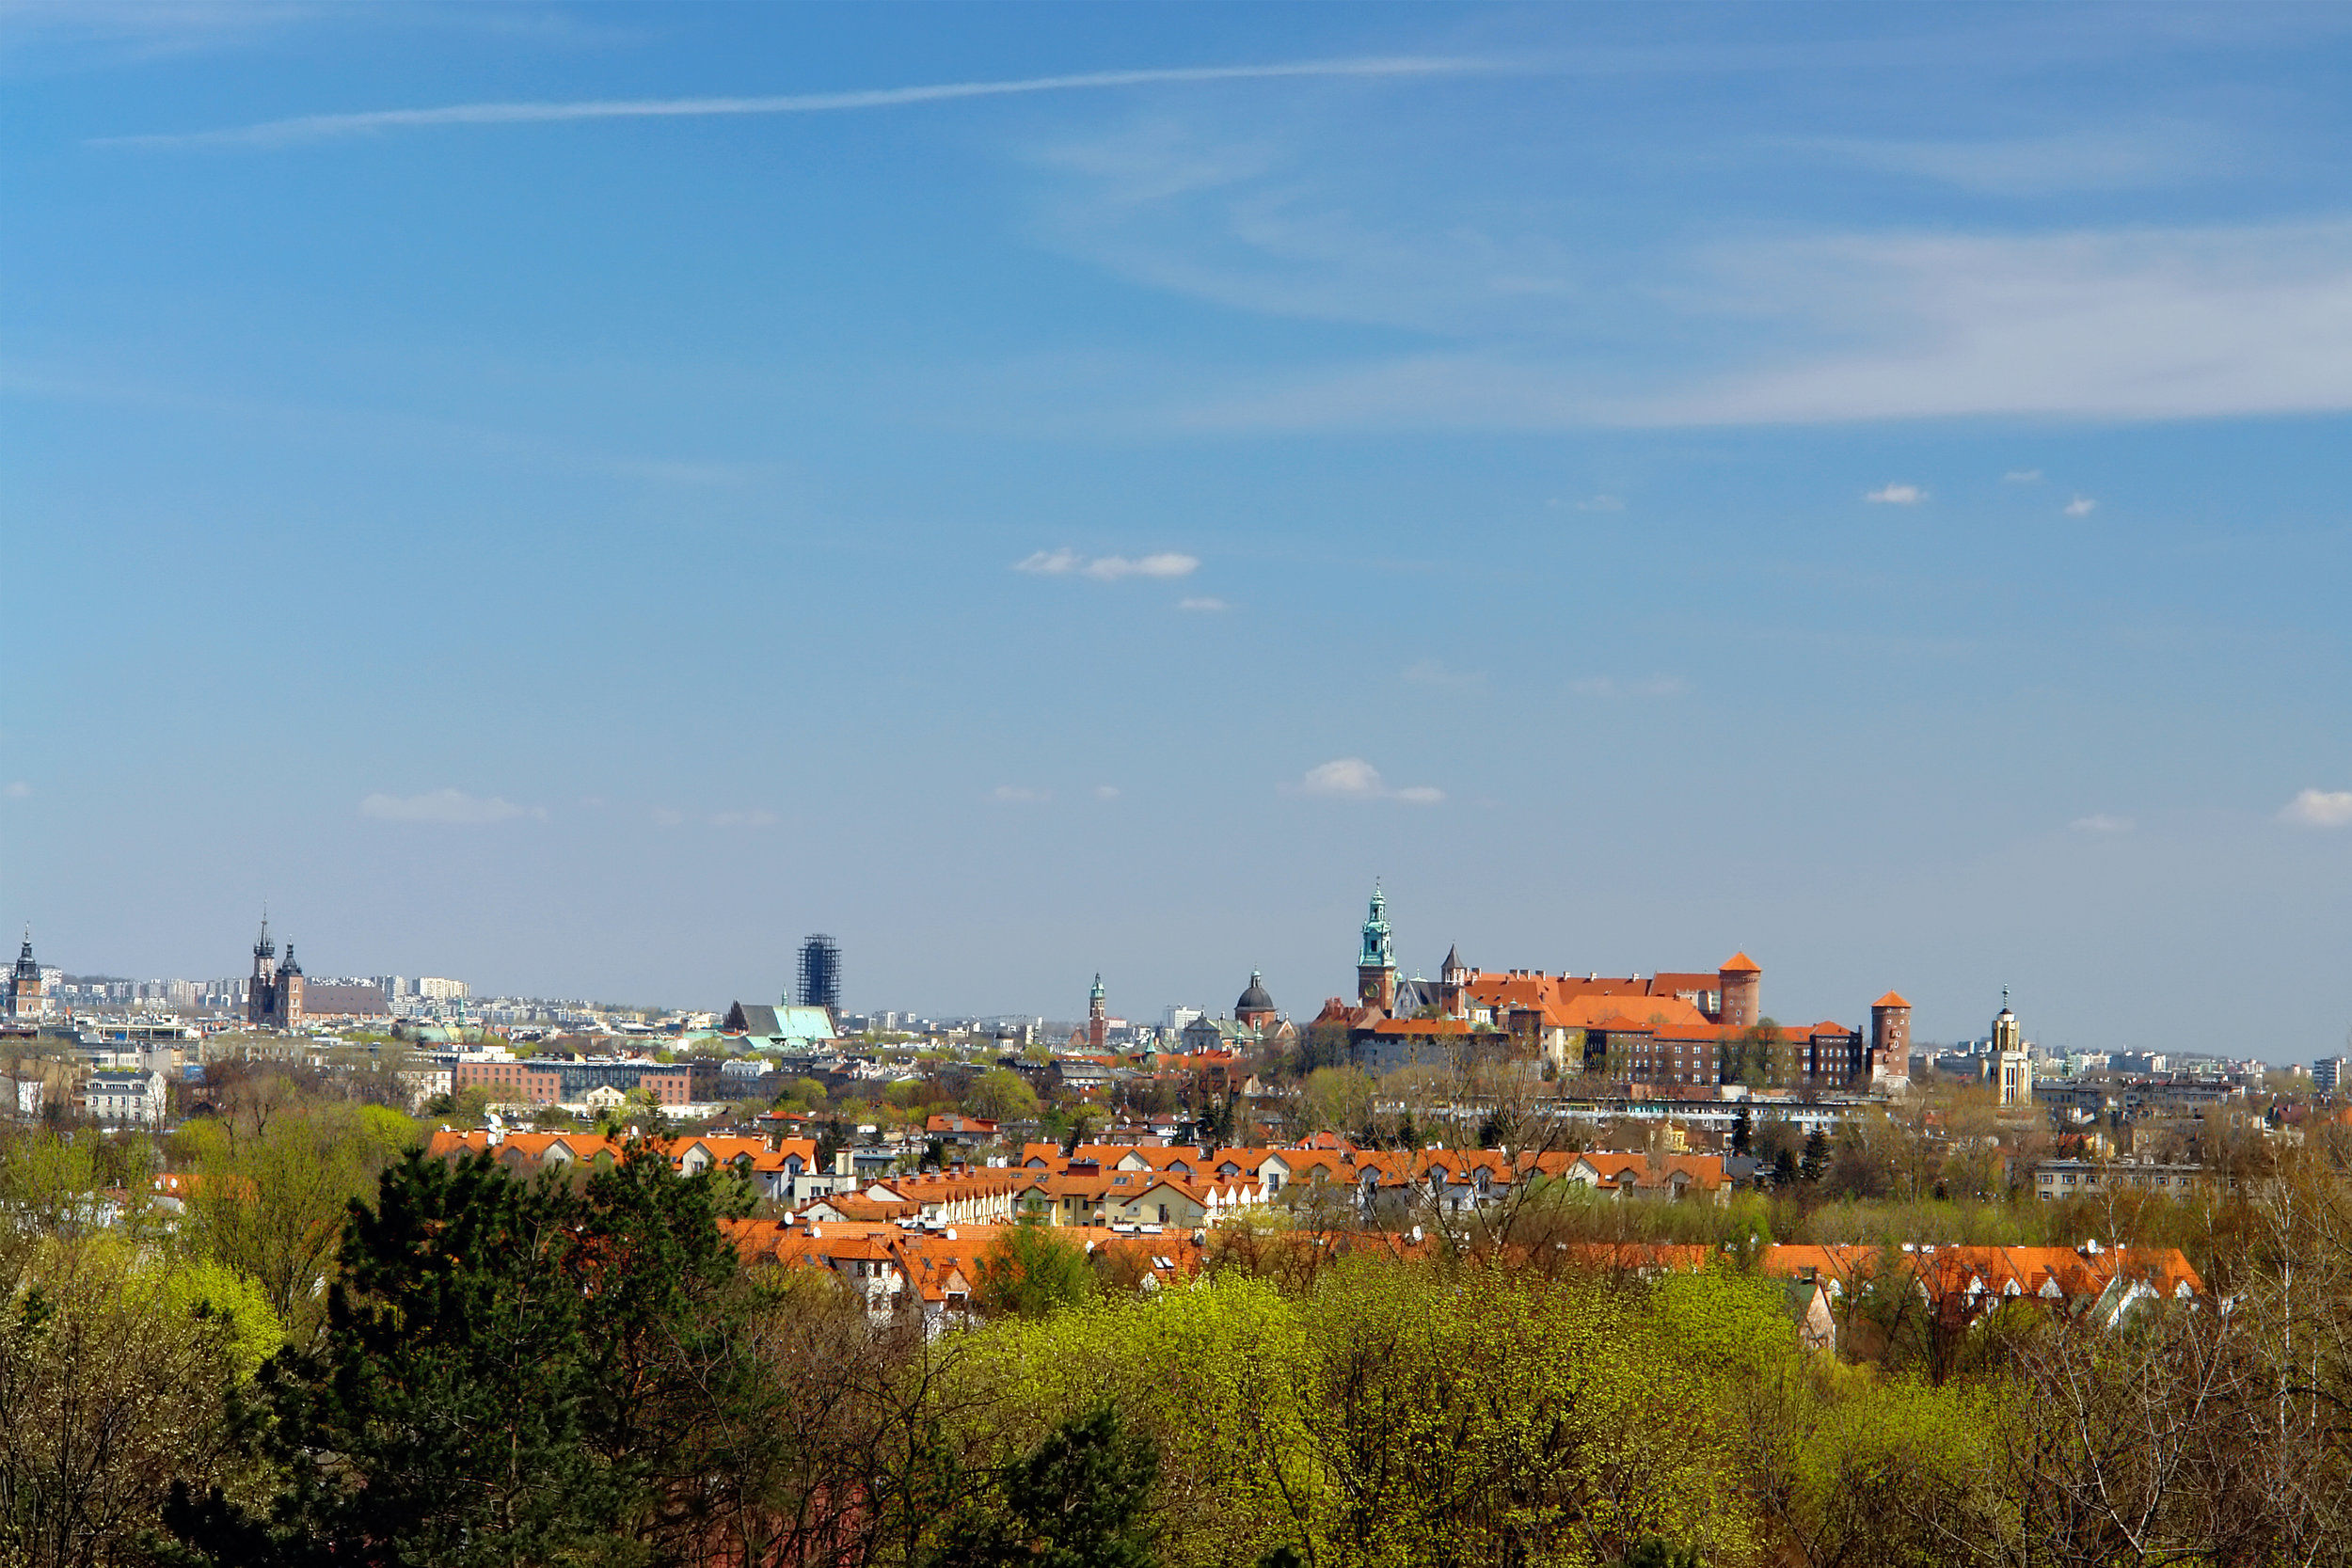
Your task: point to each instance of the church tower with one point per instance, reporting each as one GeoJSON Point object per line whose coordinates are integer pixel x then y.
{"type": "Point", "coordinates": [27, 996]}
{"type": "Point", "coordinates": [1098, 1022]}
{"type": "Point", "coordinates": [1376, 966]}
{"type": "Point", "coordinates": [260, 991]}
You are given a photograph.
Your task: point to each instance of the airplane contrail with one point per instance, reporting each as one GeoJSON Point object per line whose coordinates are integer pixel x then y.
{"type": "Point", "coordinates": [280, 132]}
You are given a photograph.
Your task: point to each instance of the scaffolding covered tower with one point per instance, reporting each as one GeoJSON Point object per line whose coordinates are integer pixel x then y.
{"type": "Point", "coordinates": [820, 975]}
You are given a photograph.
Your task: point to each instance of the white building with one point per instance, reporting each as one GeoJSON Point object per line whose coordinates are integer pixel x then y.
{"type": "Point", "coordinates": [433, 989]}
{"type": "Point", "coordinates": [2327, 1075]}
{"type": "Point", "coordinates": [126, 1098]}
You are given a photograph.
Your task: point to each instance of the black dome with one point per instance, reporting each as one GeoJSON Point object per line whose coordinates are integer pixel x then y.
{"type": "Point", "coordinates": [1255, 999]}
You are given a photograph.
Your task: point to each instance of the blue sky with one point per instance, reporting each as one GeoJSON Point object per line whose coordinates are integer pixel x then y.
{"type": "Point", "coordinates": [580, 497]}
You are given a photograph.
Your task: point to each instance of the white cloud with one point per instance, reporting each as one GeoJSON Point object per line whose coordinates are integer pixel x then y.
{"type": "Point", "coordinates": [1432, 673]}
{"type": "Point", "coordinates": [2099, 822]}
{"type": "Point", "coordinates": [1204, 606]}
{"type": "Point", "coordinates": [1897, 495]}
{"type": "Point", "coordinates": [280, 132]}
{"type": "Point", "coordinates": [668, 817]}
{"type": "Point", "coordinates": [2081, 506]}
{"type": "Point", "coordinates": [1020, 795]}
{"type": "Point", "coordinates": [2118, 324]}
{"type": "Point", "coordinates": [1601, 503]}
{"type": "Point", "coordinates": [18, 791]}
{"type": "Point", "coordinates": [2319, 808]}
{"type": "Point", "coordinates": [1107, 792]}
{"type": "Point", "coordinates": [448, 807]}
{"type": "Point", "coordinates": [2022, 476]}
{"type": "Point", "coordinates": [1607, 685]}
{"type": "Point", "coordinates": [753, 819]}
{"type": "Point", "coordinates": [1107, 568]}
{"type": "Point", "coordinates": [1354, 779]}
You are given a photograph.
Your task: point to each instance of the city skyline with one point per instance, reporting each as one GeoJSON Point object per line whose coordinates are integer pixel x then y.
{"type": "Point", "coordinates": [583, 498]}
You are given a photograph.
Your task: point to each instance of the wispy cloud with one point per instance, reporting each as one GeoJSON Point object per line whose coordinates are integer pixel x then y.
{"type": "Point", "coordinates": [1354, 779]}
{"type": "Point", "coordinates": [1433, 673]}
{"type": "Point", "coordinates": [1107, 568]}
{"type": "Point", "coordinates": [19, 790]}
{"type": "Point", "coordinates": [753, 818]}
{"type": "Point", "coordinates": [1107, 792]}
{"type": "Point", "coordinates": [2099, 822]}
{"type": "Point", "coordinates": [2022, 476]}
{"type": "Point", "coordinates": [1020, 794]}
{"type": "Point", "coordinates": [1204, 606]}
{"type": "Point", "coordinates": [1608, 686]}
{"type": "Point", "coordinates": [447, 808]}
{"type": "Point", "coordinates": [309, 128]}
{"type": "Point", "coordinates": [1601, 503]}
{"type": "Point", "coordinates": [1897, 495]}
{"type": "Point", "coordinates": [2092, 160]}
{"type": "Point", "coordinates": [2081, 506]}
{"type": "Point", "coordinates": [2319, 808]}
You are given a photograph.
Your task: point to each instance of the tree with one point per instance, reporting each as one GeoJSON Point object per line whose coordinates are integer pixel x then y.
{"type": "Point", "coordinates": [1076, 1500]}
{"type": "Point", "coordinates": [1816, 1157]}
{"type": "Point", "coordinates": [1336, 1099]}
{"type": "Point", "coordinates": [1000, 1094]}
{"type": "Point", "coordinates": [113, 1369]}
{"type": "Point", "coordinates": [1784, 1169]}
{"type": "Point", "coordinates": [510, 1372]}
{"type": "Point", "coordinates": [1742, 1130]}
{"type": "Point", "coordinates": [1028, 1272]}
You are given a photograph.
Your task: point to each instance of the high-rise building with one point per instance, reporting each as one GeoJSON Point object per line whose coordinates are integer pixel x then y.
{"type": "Point", "coordinates": [820, 975]}
{"type": "Point", "coordinates": [2327, 1075]}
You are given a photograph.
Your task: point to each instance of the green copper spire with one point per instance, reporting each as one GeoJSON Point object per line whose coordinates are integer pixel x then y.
{"type": "Point", "coordinates": [1378, 952]}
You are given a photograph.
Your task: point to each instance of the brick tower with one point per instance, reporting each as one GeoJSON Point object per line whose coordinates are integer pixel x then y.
{"type": "Point", "coordinates": [1740, 979]}
{"type": "Point", "coordinates": [1098, 1022]}
{"type": "Point", "coordinates": [1890, 1033]}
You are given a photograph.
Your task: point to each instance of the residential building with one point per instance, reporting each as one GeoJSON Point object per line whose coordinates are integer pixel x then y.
{"type": "Point", "coordinates": [2059, 1178]}
{"type": "Point", "coordinates": [126, 1097]}
{"type": "Point", "coordinates": [2327, 1075]}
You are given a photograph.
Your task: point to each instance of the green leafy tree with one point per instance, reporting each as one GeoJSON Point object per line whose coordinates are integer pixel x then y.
{"type": "Point", "coordinates": [1029, 1272]}
{"type": "Point", "coordinates": [1000, 1094]}
{"type": "Point", "coordinates": [1742, 1130]}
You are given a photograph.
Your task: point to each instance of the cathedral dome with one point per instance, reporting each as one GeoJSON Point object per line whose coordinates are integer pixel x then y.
{"type": "Point", "coordinates": [1255, 999]}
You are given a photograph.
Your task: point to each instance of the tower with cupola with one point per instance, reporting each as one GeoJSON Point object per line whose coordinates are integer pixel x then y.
{"type": "Point", "coordinates": [1375, 964]}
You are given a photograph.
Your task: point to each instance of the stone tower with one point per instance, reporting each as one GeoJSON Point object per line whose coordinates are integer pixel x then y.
{"type": "Point", "coordinates": [1098, 1022]}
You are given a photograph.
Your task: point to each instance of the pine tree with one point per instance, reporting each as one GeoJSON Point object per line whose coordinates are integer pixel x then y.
{"type": "Point", "coordinates": [1816, 1162]}
{"type": "Point", "coordinates": [1742, 1130]}
{"type": "Point", "coordinates": [511, 1372]}
{"type": "Point", "coordinates": [1076, 1500]}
